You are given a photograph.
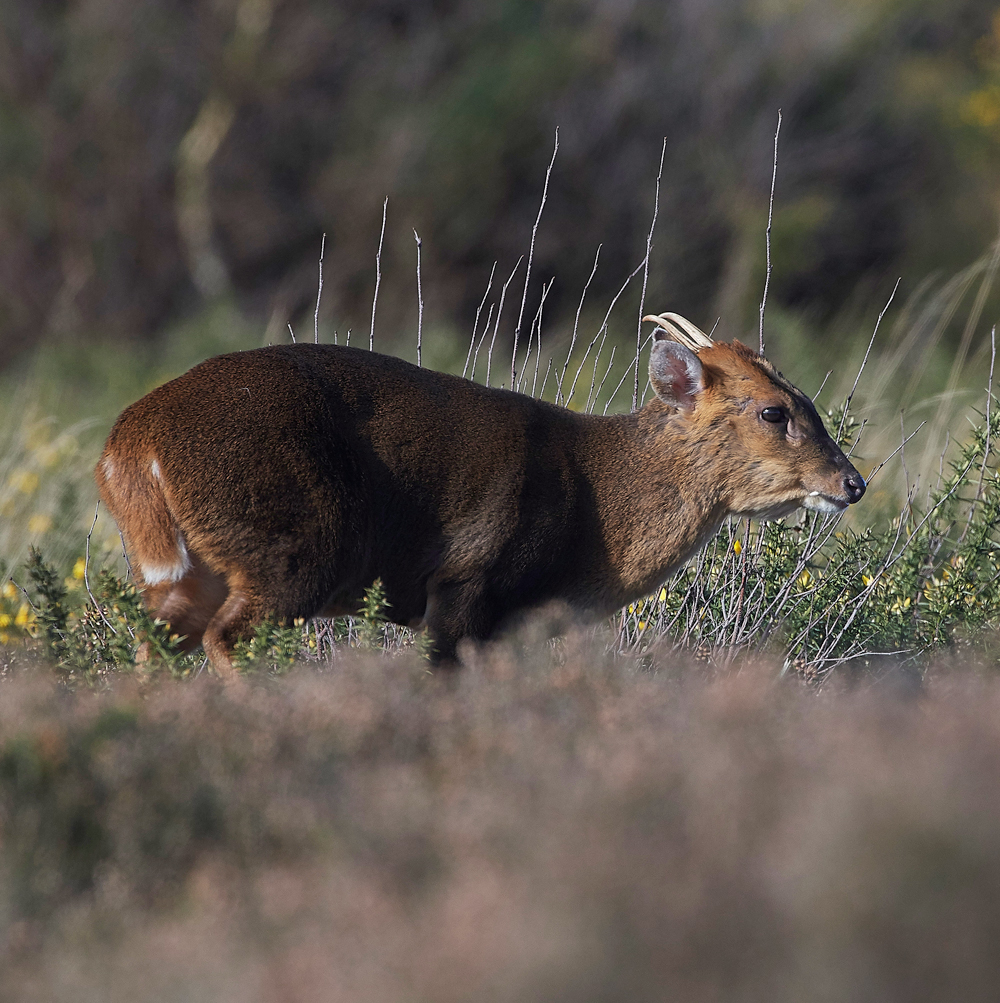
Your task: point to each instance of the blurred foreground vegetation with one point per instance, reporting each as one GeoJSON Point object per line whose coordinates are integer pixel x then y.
{"type": "Point", "coordinates": [551, 823]}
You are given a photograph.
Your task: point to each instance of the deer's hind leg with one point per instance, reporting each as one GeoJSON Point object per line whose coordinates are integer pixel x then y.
{"type": "Point", "coordinates": [244, 609]}
{"type": "Point", "coordinates": [188, 604]}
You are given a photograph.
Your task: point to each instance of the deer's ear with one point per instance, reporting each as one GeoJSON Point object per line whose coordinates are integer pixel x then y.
{"type": "Point", "coordinates": [676, 374]}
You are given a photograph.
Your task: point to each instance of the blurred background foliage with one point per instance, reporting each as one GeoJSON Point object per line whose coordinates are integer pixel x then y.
{"type": "Point", "coordinates": [168, 170]}
{"type": "Point", "coordinates": [156, 155]}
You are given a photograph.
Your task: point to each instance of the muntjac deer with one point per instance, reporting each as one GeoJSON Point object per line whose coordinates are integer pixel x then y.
{"type": "Point", "coordinates": [283, 481]}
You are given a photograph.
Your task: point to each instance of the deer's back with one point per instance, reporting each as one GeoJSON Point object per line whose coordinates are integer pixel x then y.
{"type": "Point", "coordinates": [381, 468]}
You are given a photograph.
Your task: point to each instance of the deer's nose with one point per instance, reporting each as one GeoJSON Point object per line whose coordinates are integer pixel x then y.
{"type": "Point", "coordinates": [854, 486]}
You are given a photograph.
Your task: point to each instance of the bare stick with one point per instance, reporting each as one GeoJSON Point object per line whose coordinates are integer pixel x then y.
{"type": "Point", "coordinates": [621, 382]}
{"type": "Point", "coordinates": [576, 325]}
{"type": "Point", "coordinates": [989, 400]}
{"type": "Point", "coordinates": [538, 348]}
{"type": "Point", "coordinates": [607, 373]}
{"type": "Point", "coordinates": [378, 275]}
{"type": "Point", "coordinates": [536, 325]}
{"type": "Point", "coordinates": [857, 438]}
{"type": "Point", "coordinates": [475, 326]}
{"type": "Point", "coordinates": [864, 361]}
{"type": "Point", "coordinates": [602, 329]}
{"type": "Point", "coordinates": [548, 370]}
{"type": "Point", "coordinates": [86, 572]}
{"type": "Point", "coordinates": [319, 291]}
{"type": "Point", "coordinates": [645, 275]}
{"type": "Point", "coordinates": [593, 378]}
{"type": "Point", "coordinates": [531, 255]}
{"type": "Point", "coordinates": [989, 429]}
{"type": "Point", "coordinates": [292, 333]}
{"type": "Point", "coordinates": [823, 384]}
{"type": "Point", "coordinates": [486, 331]}
{"type": "Point", "coordinates": [879, 466]}
{"type": "Point", "coordinates": [770, 214]}
{"type": "Point", "coordinates": [420, 297]}
{"type": "Point", "coordinates": [496, 326]}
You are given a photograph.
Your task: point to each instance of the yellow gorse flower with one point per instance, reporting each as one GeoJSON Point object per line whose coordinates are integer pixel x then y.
{"type": "Point", "coordinates": [737, 547]}
{"type": "Point", "coordinates": [39, 523]}
{"type": "Point", "coordinates": [25, 481]}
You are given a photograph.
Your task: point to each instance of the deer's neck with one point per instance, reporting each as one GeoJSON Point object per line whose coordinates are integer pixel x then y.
{"type": "Point", "coordinates": [659, 495]}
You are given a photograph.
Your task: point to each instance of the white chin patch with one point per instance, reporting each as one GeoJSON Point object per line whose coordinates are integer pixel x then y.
{"type": "Point", "coordinates": [821, 503]}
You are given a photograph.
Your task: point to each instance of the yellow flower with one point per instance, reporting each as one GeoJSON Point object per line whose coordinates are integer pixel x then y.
{"type": "Point", "coordinates": [80, 568]}
{"type": "Point", "coordinates": [663, 595]}
{"type": "Point", "coordinates": [39, 523]}
{"type": "Point", "coordinates": [25, 481]}
{"type": "Point", "coordinates": [47, 456]}
{"type": "Point", "coordinates": [642, 625]}
{"type": "Point", "coordinates": [23, 616]}
{"type": "Point", "coordinates": [4, 638]}
{"type": "Point", "coordinates": [9, 590]}
{"type": "Point", "coordinates": [4, 620]}
{"type": "Point", "coordinates": [867, 579]}
{"type": "Point", "coordinates": [37, 436]}
{"type": "Point", "coordinates": [737, 547]}
{"type": "Point", "coordinates": [805, 578]}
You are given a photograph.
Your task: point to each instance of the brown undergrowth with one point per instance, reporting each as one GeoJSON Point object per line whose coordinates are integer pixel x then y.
{"type": "Point", "coordinates": [551, 823]}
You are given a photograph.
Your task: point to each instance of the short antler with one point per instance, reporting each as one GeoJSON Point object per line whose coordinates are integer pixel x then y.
{"type": "Point", "coordinates": [681, 330]}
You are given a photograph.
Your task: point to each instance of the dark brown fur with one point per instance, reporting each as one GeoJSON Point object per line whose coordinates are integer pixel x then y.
{"type": "Point", "coordinates": [284, 481]}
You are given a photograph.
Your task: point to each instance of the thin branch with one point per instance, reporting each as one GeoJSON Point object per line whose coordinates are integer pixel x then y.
{"type": "Point", "coordinates": [319, 291]}
{"type": "Point", "coordinates": [378, 275]}
{"type": "Point", "coordinates": [475, 326]}
{"type": "Point", "coordinates": [531, 255]}
{"type": "Point", "coordinates": [486, 331]}
{"type": "Point", "coordinates": [496, 326]}
{"type": "Point", "coordinates": [86, 572]}
{"type": "Point", "coordinates": [989, 429]}
{"type": "Point", "coordinates": [420, 297]}
{"type": "Point", "coordinates": [593, 378]}
{"type": "Point", "coordinates": [823, 384]}
{"type": "Point", "coordinates": [879, 466]}
{"type": "Point", "coordinates": [607, 373]}
{"type": "Point", "coordinates": [621, 382]}
{"type": "Point", "coordinates": [645, 274]}
{"type": "Point", "coordinates": [864, 361]}
{"type": "Point", "coordinates": [576, 325]}
{"type": "Point", "coordinates": [603, 328]}
{"type": "Point", "coordinates": [770, 215]}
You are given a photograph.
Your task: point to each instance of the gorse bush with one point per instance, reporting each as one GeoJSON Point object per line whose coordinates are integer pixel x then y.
{"type": "Point", "coordinates": [821, 594]}
{"type": "Point", "coordinates": [89, 634]}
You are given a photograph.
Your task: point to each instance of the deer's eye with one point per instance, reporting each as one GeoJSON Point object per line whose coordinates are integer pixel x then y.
{"type": "Point", "coordinates": [774, 414]}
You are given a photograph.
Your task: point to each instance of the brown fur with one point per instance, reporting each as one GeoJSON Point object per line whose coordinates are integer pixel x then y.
{"type": "Point", "coordinates": [284, 481]}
